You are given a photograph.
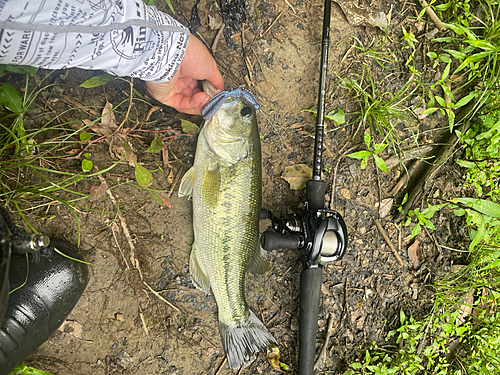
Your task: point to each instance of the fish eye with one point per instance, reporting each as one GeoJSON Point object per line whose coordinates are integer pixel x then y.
{"type": "Point", "coordinates": [245, 111]}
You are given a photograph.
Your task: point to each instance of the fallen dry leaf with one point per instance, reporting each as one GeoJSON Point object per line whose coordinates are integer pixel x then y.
{"type": "Point", "coordinates": [97, 192]}
{"type": "Point", "coordinates": [345, 193]}
{"type": "Point", "coordinates": [466, 309]}
{"type": "Point", "coordinates": [415, 254]}
{"type": "Point", "coordinates": [297, 175]}
{"type": "Point", "coordinates": [108, 116]}
{"type": "Point", "coordinates": [385, 207]}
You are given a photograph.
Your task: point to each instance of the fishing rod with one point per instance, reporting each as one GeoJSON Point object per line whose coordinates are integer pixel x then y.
{"type": "Point", "coordinates": [318, 234]}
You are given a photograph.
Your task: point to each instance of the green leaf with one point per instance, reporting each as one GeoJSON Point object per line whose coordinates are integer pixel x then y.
{"type": "Point", "coordinates": [479, 56]}
{"type": "Point", "coordinates": [483, 44]}
{"type": "Point", "coordinates": [156, 197]}
{"type": "Point", "coordinates": [97, 81]}
{"type": "Point", "coordinates": [402, 317]}
{"type": "Point", "coordinates": [169, 3]}
{"type": "Point", "coordinates": [428, 111]}
{"type": "Point", "coordinates": [465, 163]}
{"type": "Point", "coordinates": [311, 111]}
{"type": "Point", "coordinates": [23, 69]}
{"type": "Point", "coordinates": [25, 370]}
{"type": "Point", "coordinates": [143, 176]}
{"type": "Point", "coordinates": [481, 205]}
{"type": "Point", "coordinates": [380, 163]}
{"type": "Point", "coordinates": [84, 136]}
{"type": "Point", "coordinates": [451, 118]}
{"type": "Point", "coordinates": [459, 29]}
{"type": "Point", "coordinates": [441, 101]}
{"type": "Point", "coordinates": [368, 138]}
{"type": "Point", "coordinates": [156, 145]}
{"type": "Point", "coordinates": [364, 163]}
{"type": "Point", "coordinates": [338, 117]}
{"type": "Point", "coordinates": [87, 165]}
{"type": "Point", "coordinates": [11, 99]}
{"type": "Point", "coordinates": [443, 7]}
{"type": "Point", "coordinates": [360, 154]}
{"type": "Point", "coordinates": [456, 54]}
{"type": "Point", "coordinates": [432, 55]}
{"type": "Point", "coordinates": [379, 147]}
{"type": "Point", "coordinates": [466, 99]}
{"type": "Point", "coordinates": [446, 72]}
{"type": "Point", "coordinates": [188, 127]}
{"type": "Point", "coordinates": [416, 230]}
{"type": "Point", "coordinates": [479, 235]}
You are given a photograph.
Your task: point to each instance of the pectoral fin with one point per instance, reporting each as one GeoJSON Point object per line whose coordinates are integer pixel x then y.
{"type": "Point", "coordinates": [211, 186]}
{"type": "Point", "coordinates": [199, 278]}
{"type": "Point", "coordinates": [187, 182]}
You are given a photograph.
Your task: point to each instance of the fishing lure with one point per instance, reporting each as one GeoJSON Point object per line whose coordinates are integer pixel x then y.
{"type": "Point", "coordinates": [217, 100]}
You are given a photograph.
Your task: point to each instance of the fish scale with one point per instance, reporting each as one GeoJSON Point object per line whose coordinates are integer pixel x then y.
{"type": "Point", "coordinates": [225, 185]}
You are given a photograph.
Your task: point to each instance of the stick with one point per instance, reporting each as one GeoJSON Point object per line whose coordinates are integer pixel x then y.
{"type": "Point", "coordinates": [271, 25]}
{"type": "Point", "coordinates": [123, 223]}
{"type": "Point", "coordinates": [260, 65]}
{"type": "Point", "coordinates": [322, 354]}
{"type": "Point", "coordinates": [130, 102]}
{"type": "Point", "coordinates": [217, 37]}
{"type": "Point", "coordinates": [387, 239]}
{"type": "Point", "coordinates": [432, 15]}
{"type": "Point", "coordinates": [161, 297]}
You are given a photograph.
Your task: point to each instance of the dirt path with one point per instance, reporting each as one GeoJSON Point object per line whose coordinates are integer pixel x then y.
{"type": "Point", "coordinates": [120, 326]}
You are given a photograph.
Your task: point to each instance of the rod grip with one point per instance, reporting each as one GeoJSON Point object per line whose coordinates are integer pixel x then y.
{"type": "Point", "coordinates": [310, 291]}
{"type": "Point", "coordinates": [271, 240]}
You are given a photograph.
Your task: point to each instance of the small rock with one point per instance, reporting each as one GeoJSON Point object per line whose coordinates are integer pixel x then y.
{"type": "Point", "coordinates": [123, 359]}
{"type": "Point", "coordinates": [119, 317]}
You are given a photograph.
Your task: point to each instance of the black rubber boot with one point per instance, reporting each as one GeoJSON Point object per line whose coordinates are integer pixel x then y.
{"type": "Point", "coordinates": [4, 266]}
{"type": "Point", "coordinates": [39, 307]}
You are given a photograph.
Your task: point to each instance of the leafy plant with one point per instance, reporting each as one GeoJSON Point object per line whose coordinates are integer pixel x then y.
{"type": "Point", "coordinates": [380, 112]}
{"type": "Point", "coordinates": [22, 369]}
{"type": "Point", "coordinates": [372, 151]}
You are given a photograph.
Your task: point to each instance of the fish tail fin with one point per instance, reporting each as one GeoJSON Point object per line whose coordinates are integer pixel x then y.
{"type": "Point", "coordinates": [241, 340]}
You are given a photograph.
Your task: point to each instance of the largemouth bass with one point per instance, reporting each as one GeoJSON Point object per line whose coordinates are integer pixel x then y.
{"type": "Point", "coordinates": [225, 186]}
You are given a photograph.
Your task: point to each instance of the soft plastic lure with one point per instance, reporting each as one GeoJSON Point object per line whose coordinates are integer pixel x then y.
{"type": "Point", "coordinates": [217, 100]}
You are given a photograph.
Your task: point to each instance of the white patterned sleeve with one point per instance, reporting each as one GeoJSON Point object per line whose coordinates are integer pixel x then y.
{"type": "Point", "coordinates": [122, 37]}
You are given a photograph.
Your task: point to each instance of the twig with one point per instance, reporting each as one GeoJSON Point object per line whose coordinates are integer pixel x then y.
{"type": "Point", "coordinates": [271, 25]}
{"type": "Point", "coordinates": [290, 5]}
{"type": "Point", "coordinates": [260, 65]}
{"type": "Point", "coordinates": [143, 321]}
{"type": "Point", "coordinates": [160, 297]}
{"type": "Point", "coordinates": [217, 37]}
{"type": "Point", "coordinates": [150, 112]}
{"type": "Point", "coordinates": [175, 182]}
{"type": "Point", "coordinates": [221, 366]}
{"type": "Point", "coordinates": [118, 245]}
{"type": "Point", "coordinates": [432, 15]}
{"type": "Point", "coordinates": [387, 239]}
{"type": "Point", "coordinates": [130, 102]}
{"type": "Point", "coordinates": [126, 232]}
{"type": "Point", "coordinates": [322, 354]}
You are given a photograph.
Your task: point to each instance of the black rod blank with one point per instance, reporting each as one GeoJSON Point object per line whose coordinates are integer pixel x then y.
{"type": "Point", "coordinates": [318, 143]}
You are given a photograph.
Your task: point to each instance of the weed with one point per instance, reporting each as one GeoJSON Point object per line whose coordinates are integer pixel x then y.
{"type": "Point", "coordinates": [21, 369]}
{"type": "Point", "coordinates": [380, 112]}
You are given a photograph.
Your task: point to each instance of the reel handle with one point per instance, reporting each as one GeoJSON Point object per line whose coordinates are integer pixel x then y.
{"type": "Point", "coordinates": [310, 291]}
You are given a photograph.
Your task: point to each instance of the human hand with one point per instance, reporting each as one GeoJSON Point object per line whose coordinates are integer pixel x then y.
{"type": "Point", "coordinates": [182, 91]}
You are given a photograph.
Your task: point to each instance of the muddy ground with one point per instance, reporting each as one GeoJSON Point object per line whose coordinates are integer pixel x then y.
{"type": "Point", "coordinates": [120, 326]}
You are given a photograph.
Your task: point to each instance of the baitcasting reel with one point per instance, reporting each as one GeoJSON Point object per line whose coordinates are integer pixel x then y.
{"type": "Point", "coordinates": [319, 235]}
